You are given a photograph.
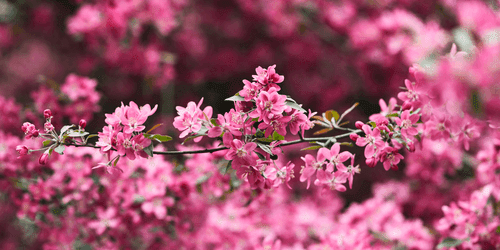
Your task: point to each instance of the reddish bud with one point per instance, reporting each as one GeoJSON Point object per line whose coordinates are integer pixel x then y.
{"type": "Point", "coordinates": [359, 124]}
{"type": "Point", "coordinates": [82, 123]}
{"type": "Point", "coordinates": [22, 150]}
{"type": "Point", "coordinates": [25, 127]}
{"type": "Point", "coordinates": [411, 146]}
{"type": "Point", "coordinates": [354, 136]}
{"type": "Point", "coordinates": [371, 162]}
{"type": "Point", "coordinates": [390, 134]}
{"type": "Point", "coordinates": [406, 106]}
{"type": "Point", "coordinates": [43, 159]}
{"type": "Point", "coordinates": [47, 113]}
{"type": "Point", "coordinates": [35, 133]}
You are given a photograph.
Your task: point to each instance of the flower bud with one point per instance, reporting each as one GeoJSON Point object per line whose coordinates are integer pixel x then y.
{"type": "Point", "coordinates": [48, 127]}
{"type": "Point", "coordinates": [354, 136]}
{"type": "Point", "coordinates": [82, 124]}
{"type": "Point", "coordinates": [359, 124]}
{"type": "Point", "coordinates": [371, 162]}
{"type": "Point", "coordinates": [35, 133]}
{"type": "Point", "coordinates": [22, 150]}
{"type": "Point", "coordinates": [390, 134]}
{"type": "Point", "coordinates": [25, 127]}
{"type": "Point", "coordinates": [406, 106]}
{"type": "Point", "coordinates": [47, 113]}
{"type": "Point", "coordinates": [411, 146]}
{"type": "Point", "coordinates": [43, 159]}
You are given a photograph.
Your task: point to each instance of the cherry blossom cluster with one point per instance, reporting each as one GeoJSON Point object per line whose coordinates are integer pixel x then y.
{"type": "Point", "coordinates": [251, 150]}
{"type": "Point", "coordinates": [123, 133]}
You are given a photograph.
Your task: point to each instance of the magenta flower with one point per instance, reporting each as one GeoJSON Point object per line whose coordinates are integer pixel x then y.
{"type": "Point", "coordinates": [349, 170]}
{"type": "Point", "coordinates": [411, 96]}
{"type": "Point", "coordinates": [406, 123]}
{"type": "Point", "coordinates": [390, 157]}
{"type": "Point", "coordinates": [227, 127]}
{"type": "Point", "coordinates": [336, 158]}
{"type": "Point", "coordinates": [106, 219]}
{"type": "Point", "coordinates": [278, 125]}
{"type": "Point", "coordinates": [312, 165]}
{"type": "Point", "coordinates": [242, 154]}
{"type": "Point", "coordinates": [250, 91]}
{"type": "Point", "coordinates": [22, 150]}
{"type": "Point", "coordinates": [133, 117]}
{"type": "Point", "coordinates": [268, 77]}
{"type": "Point", "coordinates": [269, 105]}
{"type": "Point", "coordinates": [191, 118]}
{"type": "Point", "coordinates": [372, 140]}
{"type": "Point", "coordinates": [334, 181]}
{"type": "Point", "coordinates": [298, 119]}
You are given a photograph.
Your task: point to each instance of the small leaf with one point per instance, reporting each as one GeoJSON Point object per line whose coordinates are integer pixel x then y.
{"type": "Point", "coordinates": [46, 143]}
{"type": "Point", "coordinates": [296, 106]}
{"type": "Point", "coordinates": [317, 117]}
{"type": "Point", "coordinates": [380, 236]}
{"type": "Point", "coordinates": [322, 131]}
{"type": "Point", "coordinates": [277, 137]}
{"type": "Point", "coordinates": [214, 122]}
{"type": "Point", "coordinates": [116, 161]}
{"type": "Point", "coordinates": [59, 149]}
{"type": "Point", "coordinates": [449, 242]}
{"type": "Point", "coordinates": [159, 138]}
{"type": "Point", "coordinates": [149, 150]}
{"type": "Point", "coordinates": [76, 133]}
{"type": "Point", "coordinates": [265, 140]}
{"type": "Point", "coordinates": [154, 127]}
{"type": "Point", "coordinates": [228, 166]}
{"type": "Point", "coordinates": [311, 148]}
{"type": "Point", "coordinates": [329, 114]}
{"type": "Point", "coordinates": [349, 144]}
{"type": "Point", "coordinates": [235, 98]}
{"type": "Point", "coordinates": [92, 135]}
{"type": "Point", "coordinates": [392, 115]}
{"type": "Point", "coordinates": [190, 138]}
{"type": "Point", "coordinates": [344, 123]}
{"type": "Point", "coordinates": [261, 156]}
{"type": "Point", "coordinates": [265, 148]}
{"type": "Point", "coordinates": [65, 128]}
{"type": "Point", "coordinates": [373, 124]}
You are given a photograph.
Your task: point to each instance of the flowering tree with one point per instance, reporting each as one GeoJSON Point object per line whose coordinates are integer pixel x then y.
{"type": "Point", "coordinates": [91, 174]}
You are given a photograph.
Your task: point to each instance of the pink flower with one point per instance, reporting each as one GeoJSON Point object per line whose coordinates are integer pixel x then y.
{"type": "Point", "coordinates": [242, 154]}
{"type": "Point", "coordinates": [298, 120]}
{"type": "Point", "coordinates": [106, 219]}
{"type": "Point", "coordinates": [336, 158]}
{"type": "Point", "coordinates": [22, 150]}
{"type": "Point", "coordinates": [406, 123]}
{"type": "Point", "coordinates": [269, 105]}
{"type": "Point", "coordinates": [411, 96]}
{"type": "Point", "coordinates": [132, 118]}
{"type": "Point", "coordinates": [349, 170]}
{"type": "Point", "coordinates": [372, 140]}
{"type": "Point", "coordinates": [191, 118]}
{"type": "Point", "coordinates": [390, 157]}
{"type": "Point", "coordinates": [312, 165]}
{"type": "Point", "coordinates": [277, 124]}
{"type": "Point", "coordinates": [333, 181]}
{"type": "Point", "coordinates": [250, 91]}
{"type": "Point", "coordinates": [268, 78]}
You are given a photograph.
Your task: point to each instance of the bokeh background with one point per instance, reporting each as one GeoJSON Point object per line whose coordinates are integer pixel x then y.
{"type": "Point", "coordinates": [170, 52]}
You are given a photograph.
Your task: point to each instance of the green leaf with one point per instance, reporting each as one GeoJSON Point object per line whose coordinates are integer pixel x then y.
{"type": "Point", "coordinates": [265, 140]}
{"type": "Point", "coordinates": [265, 148]}
{"type": "Point", "coordinates": [311, 148]}
{"type": "Point", "coordinates": [262, 157]}
{"type": "Point", "coordinates": [154, 127]}
{"type": "Point", "coordinates": [380, 236]}
{"type": "Point", "coordinates": [214, 122]}
{"type": "Point", "coordinates": [449, 242]}
{"type": "Point", "coordinates": [235, 98]}
{"type": "Point", "coordinates": [228, 166]}
{"type": "Point", "coordinates": [296, 106]}
{"type": "Point", "coordinates": [349, 144]}
{"type": "Point", "coordinates": [322, 131]}
{"type": "Point", "coordinates": [158, 138]}
{"type": "Point", "coordinates": [392, 115]}
{"type": "Point", "coordinates": [46, 143]}
{"type": "Point", "coordinates": [65, 128]}
{"type": "Point", "coordinates": [92, 135]}
{"type": "Point", "coordinates": [116, 161]}
{"type": "Point", "coordinates": [59, 149]}
{"type": "Point", "coordinates": [149, 150]}
{"type": "Point", "coordinates": [329, 114]}
{"type": "Point", "coordinates": [190, 138]}
{"type": "Point", "coordinates": [373, 124]}
{"type": "Point", "coordinates": [277, 137]}
{"type": "Point", "coordinates": [76, 133]}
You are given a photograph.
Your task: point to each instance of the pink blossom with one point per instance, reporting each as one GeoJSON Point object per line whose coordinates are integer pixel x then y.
{"type": "Point", "coordinates": [406, 123]}
{"type": "Point", "coordinates": [132, 118]}
{"type": "Point", "coordinates": [372, 140]}
{"type": "Point", "coordinates": [311, 165]}
{"type": "Point", "coordinates": [242, 154]}
{"type": "Point", "coordinates": [268, 77]}
{"type": "Point", "coordinates": [106, 219]}
{"type": "Point", "coordinates": [349, 170]}
{"type": "Point", "coordinates": [333, 181]}
{"type": "Point", "coordinates": [390, 157]}
{"type": "Point", "coordinates": [269, 105]}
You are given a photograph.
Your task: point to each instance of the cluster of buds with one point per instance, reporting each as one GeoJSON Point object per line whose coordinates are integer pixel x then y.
{"type": "Point", "coordinates": [53, 141]}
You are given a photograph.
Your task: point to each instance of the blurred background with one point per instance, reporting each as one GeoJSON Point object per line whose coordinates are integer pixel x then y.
{"type": "Point", "coordinates": [170, 52]}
